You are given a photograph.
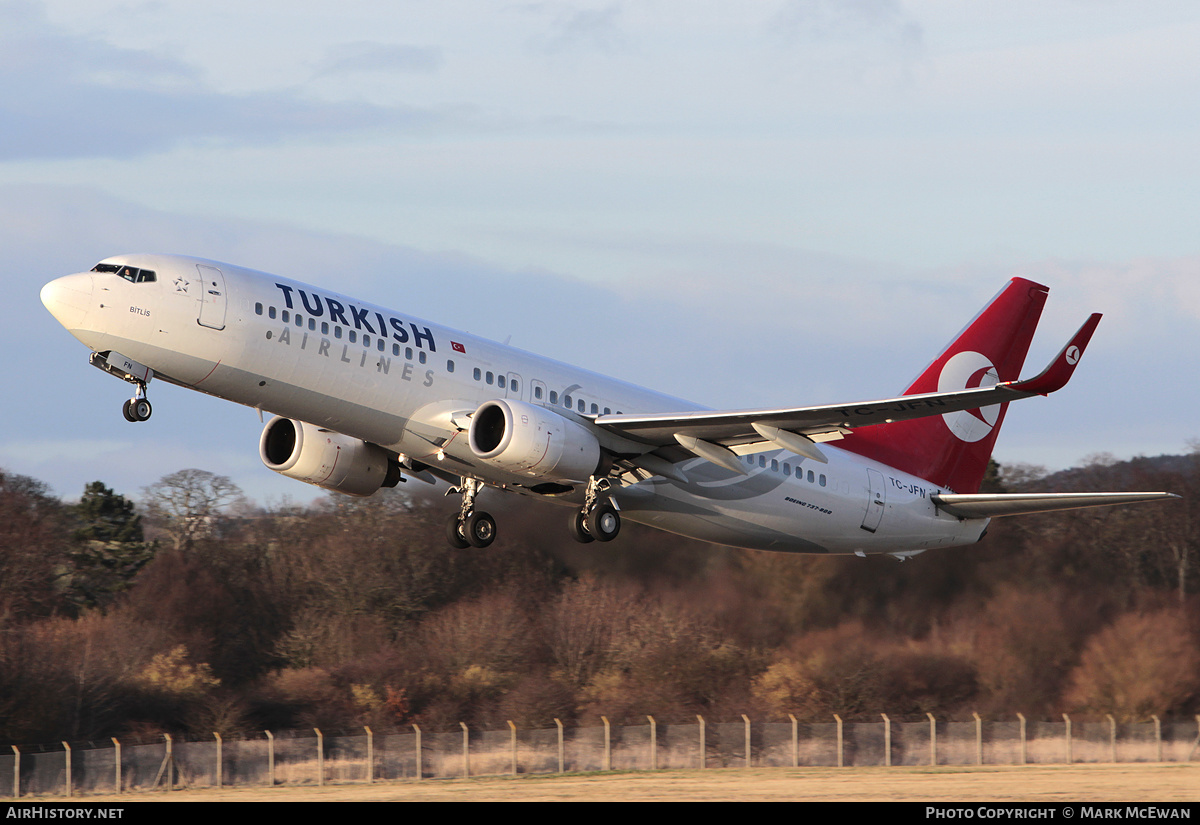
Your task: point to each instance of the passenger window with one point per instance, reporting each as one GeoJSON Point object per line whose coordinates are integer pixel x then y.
{"type": "Point", "coordinates": [299, 320]}
{"type": "Point", "coordinates": [537, 393]}
{"type": "Point", "coordinates": [512, 385]}
{"type": "Point", "coordinates": [312, 324]}
{"type": "Point", "coordinates": [285, 315]}
{"type": "Point", "coordinates": [271, 313]}
{"type": "Point", "coordinates": [408, 353]}
{"type": "Point", "coordinates": [607, 411]}
{"type": "Point", "coordinates": [500, 382]}
{"type": "Point", "coordinates": [324, 327]}
{"type": "Point", "coordinates": [567, 401]}
{"type": "Point", "coordinates": [489, 378]}
{"type": "Point", "coordinates": [353, 335]}
{"type": "Point", "coordinates": [787, 469]}
{"type": "Point", "coordinates": [337, 332]}
{"type": "Point", "coordinates": [449, 365]}
{"type": "Point", "coordinates": [762, 461]}
{"type": "Point", "coordinates": [774, 465]}
{"type": "Point", "coordinates": [810, 476]}
{"type": "Point", "coordinates": [553, 397]}
{"type": "Point", "coordinates": [822, 482]}
{"type": "Point", "coordinates": [595, 409]}
{"type": "Point", "coordinates": [478, 374]}
{"type": "Point", "coordinates": [396, 350]}
{"type": "Point", "coordinates": [258, 309]}
{"type": "Point", "coordinates": [380, 344]}
{"type": "Point", "coordinates": [366, 340]}
{"type": "Point", "coordinates": [421, 357]}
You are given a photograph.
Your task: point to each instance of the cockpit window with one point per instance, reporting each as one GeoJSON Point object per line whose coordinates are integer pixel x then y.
{"type": "Point", "coordinates": [129, 273]}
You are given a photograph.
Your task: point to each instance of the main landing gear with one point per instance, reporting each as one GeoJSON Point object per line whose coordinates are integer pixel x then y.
{"type": "Point", "coordinates": [468, 528]}
{"type": "Point", "coordinates": [598, 520]}
{"type": "Point", "coordinates": [137, 408]}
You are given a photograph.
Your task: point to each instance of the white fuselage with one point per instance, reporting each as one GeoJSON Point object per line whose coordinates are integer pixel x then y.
{"type": "Point", "coordinates": [407, 385]}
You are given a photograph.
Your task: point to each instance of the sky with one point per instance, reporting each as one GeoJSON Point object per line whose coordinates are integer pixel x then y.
{"type": "Point", "coordinates": [753, 204]}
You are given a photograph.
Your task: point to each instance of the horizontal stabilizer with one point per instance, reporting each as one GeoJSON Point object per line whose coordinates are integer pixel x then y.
{"type": "Point", "coordinates": [993, 505]}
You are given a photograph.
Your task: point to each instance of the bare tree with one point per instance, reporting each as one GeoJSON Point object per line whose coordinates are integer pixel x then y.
{"type": "Point", "coordinates": [187, 505]}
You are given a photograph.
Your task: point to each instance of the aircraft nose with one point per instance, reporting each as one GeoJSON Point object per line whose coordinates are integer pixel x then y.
{"type": "Point", "coordinates": [69, 298]}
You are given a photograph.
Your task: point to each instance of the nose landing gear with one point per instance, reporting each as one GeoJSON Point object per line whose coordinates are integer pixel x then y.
{"type": "Point", "coordinates": [137, 408]}
{"type": "Point", "coordinates": [114, 363]}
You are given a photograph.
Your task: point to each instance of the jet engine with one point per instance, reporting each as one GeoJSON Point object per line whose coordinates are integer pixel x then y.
{"type": "Point", "coordinates": [327, 459]}
{"type": "Point", "coordinates": [532, 441]}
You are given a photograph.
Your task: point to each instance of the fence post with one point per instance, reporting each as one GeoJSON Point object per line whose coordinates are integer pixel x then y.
{"type": "Point", "coordinates": [704, 745]}
{"type": "Point", "coordinates": [67, 751]}
{"type": "Point", "coordinates": [561, 755]}
{"type": "Point", "coordinates": [795, 741]}
{"type": "Point", "coordinates": [1024, 750]}
{"type": "Point", "coordinates": [370, 754]}
{"type": "Point", "coordinates": [320, 757]}
{"type": "Point", "coordinates": [607, 746]}
{"type": "Point", "coordinates": [932, 739]}
{"type": "Point", "coordinates": [1157, 736]}
{"type": "Point", "coordinates": [116, 765]}
{"type": "Point", "coordinates": [219, 744]}
{"type": "Point", "coordinates": [1070, 758]}
{"type": "Point", "coordinates": [17, 769]}
{"type": "Point", "coordinates": [168, 763]}
{"type": "Point", "coordinates": [746, 719]}
{"type": "Point", "coordinates": [420, 767]}
{"type": "Point", "coordinates": [270, 758]}
{"type": "Point", "coordinates": [887, 741]}
{"type": "Point", "coordinates": [466, 749]}
{"type": "Point", "coordinates": [513, 734]}
{"type": "Point", "coordinates": [841, 762]}
{"type": "Point", "coordinates": [653, 744]}
{"type": "Point", "coordinates": [978, 739]}
{"type": "Point", "coordinates": [1112, 737]}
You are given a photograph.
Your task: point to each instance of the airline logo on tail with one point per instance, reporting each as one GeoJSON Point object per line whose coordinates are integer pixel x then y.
{"type": "Point", "coordinates": [964, 371]}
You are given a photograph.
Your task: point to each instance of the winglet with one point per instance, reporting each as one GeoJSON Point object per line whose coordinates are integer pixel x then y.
{"type": "Point", "coordinates": [1056, 376]}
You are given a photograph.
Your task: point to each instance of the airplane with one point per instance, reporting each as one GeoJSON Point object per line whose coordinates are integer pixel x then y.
{"type": "Point", "coordinates": [363, 396]}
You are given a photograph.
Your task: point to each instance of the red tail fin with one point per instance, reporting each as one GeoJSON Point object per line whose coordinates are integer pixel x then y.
{"type": "Point", "coordinates": [952, 450]}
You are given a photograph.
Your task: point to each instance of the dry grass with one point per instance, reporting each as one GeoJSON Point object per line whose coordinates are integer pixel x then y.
{"type": "Point", "coordinates": [1035, 783]}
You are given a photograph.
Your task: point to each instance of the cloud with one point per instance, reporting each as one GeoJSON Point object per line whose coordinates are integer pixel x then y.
{"type": "Point", "coordinates": [364, 56]}
{"type": "Point", "coordinates": [68, 96]}
{"type": "Point", "coordinates": [579, 29]}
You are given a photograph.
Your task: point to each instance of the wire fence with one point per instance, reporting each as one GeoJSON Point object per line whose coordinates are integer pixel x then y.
{"type": "Point", "coordinates": [315, 758]}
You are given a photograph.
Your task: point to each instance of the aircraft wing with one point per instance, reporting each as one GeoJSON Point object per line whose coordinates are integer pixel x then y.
{"type": "Point", "coordinates": [697, 432]}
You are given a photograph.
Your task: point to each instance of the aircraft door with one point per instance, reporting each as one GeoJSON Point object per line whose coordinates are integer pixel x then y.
{"type": "Point", "coordinates": [212, 297]}
{"type": "Point", "coordinates": [876, 500]}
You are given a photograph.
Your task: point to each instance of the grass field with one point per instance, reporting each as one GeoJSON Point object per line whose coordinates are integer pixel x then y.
{"type": "Point", "coordinates": [1034, 783]}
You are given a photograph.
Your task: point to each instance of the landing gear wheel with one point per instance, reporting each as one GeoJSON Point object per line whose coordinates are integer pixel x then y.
{"type": "Point", "coordinates": [140, 409]}
{"type": "Point", "coordinates": [454, 534]}
{"type": "Point", "coordinates": [579, 529]}
{"type": "Point", "coordinates": [125, 411]}
{"type": "Point", "coordinates": [604, 523]}
{"type": "Point", "coordinates": [480, 529]}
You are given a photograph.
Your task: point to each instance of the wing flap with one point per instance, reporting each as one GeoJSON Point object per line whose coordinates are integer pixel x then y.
{"type": "Point", "coordinates": [994, 505]}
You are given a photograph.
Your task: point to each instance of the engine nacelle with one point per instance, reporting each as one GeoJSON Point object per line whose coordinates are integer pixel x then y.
{"type": "Point", "coordinates": [327, 459]}
{"type": "Point", "coordinates": [532, 441]}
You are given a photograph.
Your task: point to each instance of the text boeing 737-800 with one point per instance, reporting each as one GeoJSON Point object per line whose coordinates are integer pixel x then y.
{"type": "Point", "coordinates": [364, 395]}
